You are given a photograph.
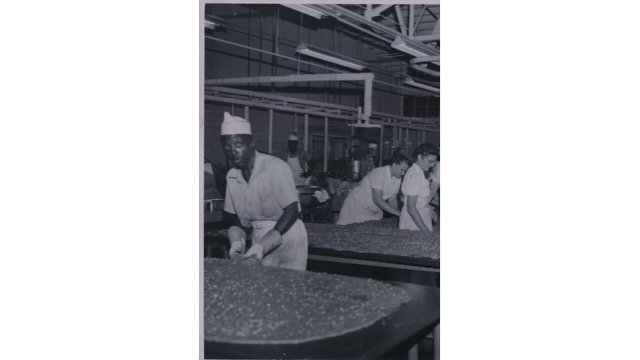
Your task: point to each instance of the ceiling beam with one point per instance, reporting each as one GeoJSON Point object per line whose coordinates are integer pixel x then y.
{"type": "Point", "coordinates": [370, 13]}
{"type": "Point", "coordinates": [427, 38]}
{"type": "Point", "coordinates": [436, 28]}
{"type": "Point", "coordinates": [432, 14]}
{"type": "Point", "coordinates": [361, 22]}
{"type": "Point", "coordinates": [403, 28]}
{"type": "Point", "coordinates": [411, 18]}
{"type": "Point", "coordinates": [420, 18]}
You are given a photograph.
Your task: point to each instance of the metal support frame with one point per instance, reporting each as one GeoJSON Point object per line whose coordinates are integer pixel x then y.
{"type": "Point", "coordinates": [306, 132]}
{"type": "Point", "coordinates": [410, 27]}
{"type": "Point", "coordinates": [403, 28]}
{"type": "Point", "coordinates": [270, 131]}
{"type": "Point", "coordinates": [366, 77]}
{"type": "Point", "coordinates": [326, 143]}
{"type": "Point", "coordinates": [380, 146]}
{"type": "Point", "coordinates": [361, 23]}
{"type": "Point", "coordinates": [303, 106]}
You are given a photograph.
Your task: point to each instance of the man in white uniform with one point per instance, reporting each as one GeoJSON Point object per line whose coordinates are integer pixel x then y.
{"type": "Point", "coordinates": [262, 195]}
{"type": "Point", "coordinates": [297, 159]}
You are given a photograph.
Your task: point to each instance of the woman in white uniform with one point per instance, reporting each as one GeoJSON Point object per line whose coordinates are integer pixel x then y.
{"type": "Point", "coordinates": [416, 213]}
{"type": "Point", "coordinates": [377, 192]}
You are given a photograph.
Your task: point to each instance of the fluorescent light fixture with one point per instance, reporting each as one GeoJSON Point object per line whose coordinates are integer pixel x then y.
{"type": "Point", "coordinates": [409, 81]}
{"type": "Point", "coordinates": [211, 22]}
{"type": "Point", "coordinates": [327, 56]}
{"type": "Point", "coordinates": [401, 45]}
{"type": "Point", "coordinates": [306, 10]}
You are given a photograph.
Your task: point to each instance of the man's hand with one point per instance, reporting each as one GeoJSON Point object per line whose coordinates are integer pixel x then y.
{"type": "Point", "coordinates": [237, 248]}
{"type": "Point", "coordinates": [237, 238]}
{"type": "Point", "coordinates": [256, 250]}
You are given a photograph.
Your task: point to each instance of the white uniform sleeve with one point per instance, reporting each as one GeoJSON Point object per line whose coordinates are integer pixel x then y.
{"type": "Point", "coordinates": [378, 178]}
{"type": "Point", "coordinates": [412, 183]}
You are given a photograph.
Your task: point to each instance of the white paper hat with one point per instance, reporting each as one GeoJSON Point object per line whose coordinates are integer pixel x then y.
{"type": "Point", "coordinates": [373, 146]}
{"type": "Point", "coordinates": [293, 138]}
{"type": "Point", "coordinates": [234, 125]}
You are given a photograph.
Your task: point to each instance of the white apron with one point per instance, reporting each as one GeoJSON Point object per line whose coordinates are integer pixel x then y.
{"type": "Point", "coordinates": [296, 169]}
{"type": "Point", "coordinates": [292, 252]}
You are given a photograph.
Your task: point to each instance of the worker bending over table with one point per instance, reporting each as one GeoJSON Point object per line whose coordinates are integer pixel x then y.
{"type": "Point", "coordinates": [417, 214]}
{"type": "Point", "coordinates": [377, 192]}
{"type": "Point", "coordinates": [262, 195]}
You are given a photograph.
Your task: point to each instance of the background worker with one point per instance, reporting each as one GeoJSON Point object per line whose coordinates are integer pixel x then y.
{"type": "Point", "coordinates": [297, 159]}
{"type": "Point", "coordinates": [377, 192]}
{"type": "Point", "coordinates": [416, 213]}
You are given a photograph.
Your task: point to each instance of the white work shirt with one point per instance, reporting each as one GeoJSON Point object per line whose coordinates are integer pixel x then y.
{"type": "Point", "coordinates": [359, 206]}
{"type": "Point", "coordinates": [270, 189]}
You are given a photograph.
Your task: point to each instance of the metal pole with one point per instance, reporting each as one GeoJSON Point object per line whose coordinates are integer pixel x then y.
{"type": "Point", "coordinates": [291, 78]}
{"type": "Point", "coordinates": [306, 131]}
{"type": "Point", "coordinates": [381, 146]}
{"type": "Point", "coordinates": [366, 77]}
{"type": "Point", "coordinates": [306, 137]}
{"type": "Point", "coordinates": [246, 113]}
{"type": "Point", "coordinates": [326, 143]}
{"type": "Point", "coordinates": [270, 131]}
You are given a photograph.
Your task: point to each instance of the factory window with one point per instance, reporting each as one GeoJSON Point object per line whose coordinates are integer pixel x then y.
{"type": "Point", "coordinates": [421, 106]}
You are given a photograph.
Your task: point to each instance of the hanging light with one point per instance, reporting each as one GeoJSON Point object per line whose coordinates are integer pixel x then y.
{"type": "Point", "coordinates": [325, 55]}
{"type": "Point", "coordinates": [409, 81]}
{"type": "Point", "coordinates": [400, 44]}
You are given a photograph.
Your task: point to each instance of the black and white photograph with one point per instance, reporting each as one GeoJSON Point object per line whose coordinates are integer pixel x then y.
{"type": "Point", "coordinates": [258, 180]}
{"type": "Point", "coordinates": [321, 221]}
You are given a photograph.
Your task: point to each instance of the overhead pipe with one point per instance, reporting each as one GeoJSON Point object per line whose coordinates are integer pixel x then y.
{"type": "Point", "coordinates": [366, 77]}
{"type": "Point", "coordinates": [415, 63]}
{"type": "Point", "coordinates": [300, 61]}
{"type": "Point", "coordinates": [295, 110]}
{"type": "Point", "coordinates": [296, 102]}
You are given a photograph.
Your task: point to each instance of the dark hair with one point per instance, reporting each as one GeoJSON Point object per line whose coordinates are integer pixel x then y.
{"type": "Point", "coordinates": [398, 158]}
{"type": "Point", "coordinates": [426, 149]}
